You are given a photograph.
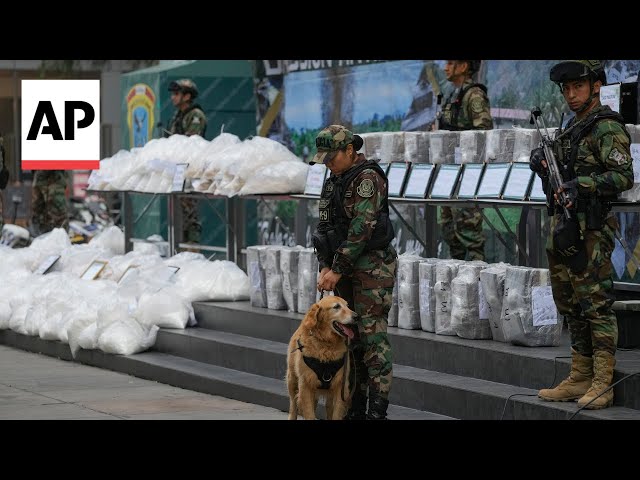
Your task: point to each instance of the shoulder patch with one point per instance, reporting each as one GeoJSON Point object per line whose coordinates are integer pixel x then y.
{"type": "Point", "coordinates": [365, 188]}
{"type": "Point", "coordinates": [477, 105]}
{"type": "Point", "coordinates": [196, 120]}
{"type": "Point", "coordinates": [618, 156]}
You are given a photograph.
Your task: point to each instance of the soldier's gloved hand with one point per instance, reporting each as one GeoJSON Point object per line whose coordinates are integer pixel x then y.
{"type": "Point", "coordinates": [570, 190]}
{"type": "Point", "coordinates": [537, 162]}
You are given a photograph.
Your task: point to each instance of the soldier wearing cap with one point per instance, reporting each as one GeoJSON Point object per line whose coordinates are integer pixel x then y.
{"type": "Point", "coordinates": [466, 108]}
{"type": "Point", "coordinates": [356, 259]}
{"type": "Point", "coordinates": [594, 158]}
{"type": "Point", "coordinates": [189, 119]}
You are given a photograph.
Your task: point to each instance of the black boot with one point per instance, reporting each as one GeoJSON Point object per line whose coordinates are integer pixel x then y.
{"type": "Point", "coordinates": [358, 409]}
{"type": "Point", "coordinates": [377, 407]}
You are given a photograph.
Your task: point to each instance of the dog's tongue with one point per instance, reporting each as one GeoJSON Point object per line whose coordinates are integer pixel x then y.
{"type": "Point", "coordinates": [347, 331]}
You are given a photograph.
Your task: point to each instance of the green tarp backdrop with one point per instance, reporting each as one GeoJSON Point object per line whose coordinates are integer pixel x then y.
{"type": "Point", "coordinates": [226, 95]}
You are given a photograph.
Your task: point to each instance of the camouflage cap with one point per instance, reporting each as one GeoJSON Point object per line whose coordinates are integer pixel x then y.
{"type": "Point", "coordinates": [332, 139]}
{"type": "Point", "coordinates": [184, 85]}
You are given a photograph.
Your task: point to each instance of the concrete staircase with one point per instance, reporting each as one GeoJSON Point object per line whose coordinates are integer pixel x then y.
{"type": "Point", "coordinates": [238, 351]}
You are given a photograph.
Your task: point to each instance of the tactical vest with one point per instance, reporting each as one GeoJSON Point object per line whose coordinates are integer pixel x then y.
{"type": "Point", "coordinates": [567, 147]}
{"type": "Point", "coordinates": [451, 110]}
{"type": "Point", "coordinates": [176, 123]}
{"type": "Point", "coordinates": [333, 216]}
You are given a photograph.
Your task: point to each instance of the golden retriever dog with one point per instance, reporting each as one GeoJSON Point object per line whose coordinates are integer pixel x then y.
{"type": "Point", "coordinates": [317, 360]}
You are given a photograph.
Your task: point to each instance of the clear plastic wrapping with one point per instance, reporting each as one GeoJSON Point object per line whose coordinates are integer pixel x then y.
{"type": "Point", "coordinates": [499, 145]}
{"type": "Point", "coordinates": [289, 266]}
{"type": "Point", "coordinates": [257, 280]}
{"type": "Point", "coordinates": [307, 279]}
{"type": "Point", "coordinates": [472, 146]}
{"type": "Point", "coordinates": [416, 147]}
{"type": "Point", "coordinates": [468, 319]}
{"type": "Point", "coordinates": [373, 145]}
{"type": "Point", "coordinates": [442, 146]}
{"type": "Point", "coordinates": [526, 139]}
{"type": "Point", "coordinates": [529, 316]}
{"type": "Point", "coordinates": [446, 271]}
{"type": "Point", "coordinates": [392, 147]}
{"type": "Point", "coordinates": [408, 292]}
{"type": "Point", "coordinates": [427, 275]}
{"type": "Point", "coordinates": [492, 286]}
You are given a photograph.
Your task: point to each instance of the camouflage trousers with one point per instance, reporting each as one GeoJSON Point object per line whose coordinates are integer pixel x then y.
{"type": "Point", "coordinates": [585, 298]}
{"type": "Point", "coordinates": [49, 203]}
{"type": "Point", "coordinates": [368, 292]}
{"type": "Point", "coordinates": [462, 230]}
{"type": "Point", "coordinates": [191, 226]}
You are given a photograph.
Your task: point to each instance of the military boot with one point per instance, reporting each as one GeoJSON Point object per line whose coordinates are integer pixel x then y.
{"type": "Point", "coordinates": [575, 385]}
{"type": "Point", "coordinates": [358, 409]}
{"type": "Point", "coordinates": [603, 364]}
{"type": "Point", "coordinates": [377, 407]}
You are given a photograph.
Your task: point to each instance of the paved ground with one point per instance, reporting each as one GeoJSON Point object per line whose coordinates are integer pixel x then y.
{"type": "Point", "coordinates": [39, 387]}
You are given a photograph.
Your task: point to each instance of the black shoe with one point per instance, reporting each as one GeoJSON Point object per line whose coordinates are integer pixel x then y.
{"type": "Point", "coordinates": [377, 407]}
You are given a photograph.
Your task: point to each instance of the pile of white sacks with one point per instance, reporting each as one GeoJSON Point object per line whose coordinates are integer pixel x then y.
{"type": "Point", "coordinates": [224, 166]}
{"type": "Point", "coordinates": [476, 300]}
{"type": "Point", "coordinates": [118, 318]}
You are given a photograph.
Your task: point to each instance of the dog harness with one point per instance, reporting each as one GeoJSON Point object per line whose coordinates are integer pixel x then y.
{"type": "Point", "coordinates": [325, 371]}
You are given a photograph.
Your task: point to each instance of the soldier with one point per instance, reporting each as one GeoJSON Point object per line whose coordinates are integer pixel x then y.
{"type": "Point", "coordinates": [593, 154]}
{"type": "Point", "coordinates": [49, 201]}
{"type": "Point", "coordinates": [189, 119]}
{"type": "Point", "coordinates": [466, 108]}
{"type": "Point", "coordinates": [357, 260]}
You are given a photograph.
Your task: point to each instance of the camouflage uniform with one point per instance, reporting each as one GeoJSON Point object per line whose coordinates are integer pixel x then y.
{"type": "Point", "coordinates": [598, 147]}
{"type": "Point", "coordinates": [462, 227]}
{"type": "Point", "coordinates": [585, 298]}
{"type": "Point", "coordinates": [49, 202]}
{"type": "Point", "coordinates": [192, 121]}
{"type": "Point", "coordinates": [368, 276]}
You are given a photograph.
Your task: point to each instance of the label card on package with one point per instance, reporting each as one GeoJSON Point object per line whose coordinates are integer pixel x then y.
{"type": "Point", "coordinates": [537, 194]}
{"type": "Point", "coordinates": [46, 264]}
{"type": "Point", "coordinates": [127, 273]}
{"type": "Point", "coordinates": [471, 173]}
{"type": "Point", "coordinates": [418, 180]}
{"type": "Point", "coordinates": [315, 179]}
{"type": "Point", "coordinates": [178, 177]}
{"type": "Point", "coordinates": [93, 271]}
{"type": "Point", "coordinates": [445, 181]}
{"type": "Point", "coordinates": [493, 180]}
{"type": "Point", "coordinates": [518, 182]}
{"type": "Point", "coordinates": [543, 307]}
{"type": "Point", "coordinates": [395, 178]}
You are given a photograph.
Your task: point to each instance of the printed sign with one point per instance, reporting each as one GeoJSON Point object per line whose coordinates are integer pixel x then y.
{"type": "Point", "coordinates": [315, 179]}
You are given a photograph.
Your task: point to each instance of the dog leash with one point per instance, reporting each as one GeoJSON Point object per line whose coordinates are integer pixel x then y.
{"type": "Point", "coordinates": [346, 372]}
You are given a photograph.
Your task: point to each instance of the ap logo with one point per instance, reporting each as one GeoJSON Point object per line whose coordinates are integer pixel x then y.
{"type": "Point", "coordinates": [60, 124]}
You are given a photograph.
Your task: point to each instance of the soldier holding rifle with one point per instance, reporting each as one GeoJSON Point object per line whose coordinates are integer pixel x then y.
{"type": "Point", "coordinates": [583, 170]}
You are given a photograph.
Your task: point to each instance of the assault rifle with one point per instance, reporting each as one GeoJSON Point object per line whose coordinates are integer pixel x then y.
{"type": "Point", "coordinates": [555, 178]}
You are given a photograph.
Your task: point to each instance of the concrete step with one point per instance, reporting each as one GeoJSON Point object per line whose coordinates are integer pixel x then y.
{"type": "Point", "coordinates": [452, 395]}
{"type": "Point", "coordinates": [475, 399]}
{"type": "Point", "coordinates": [529, 367]}
{"type": "Point", "coordinates": [189, 374]}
